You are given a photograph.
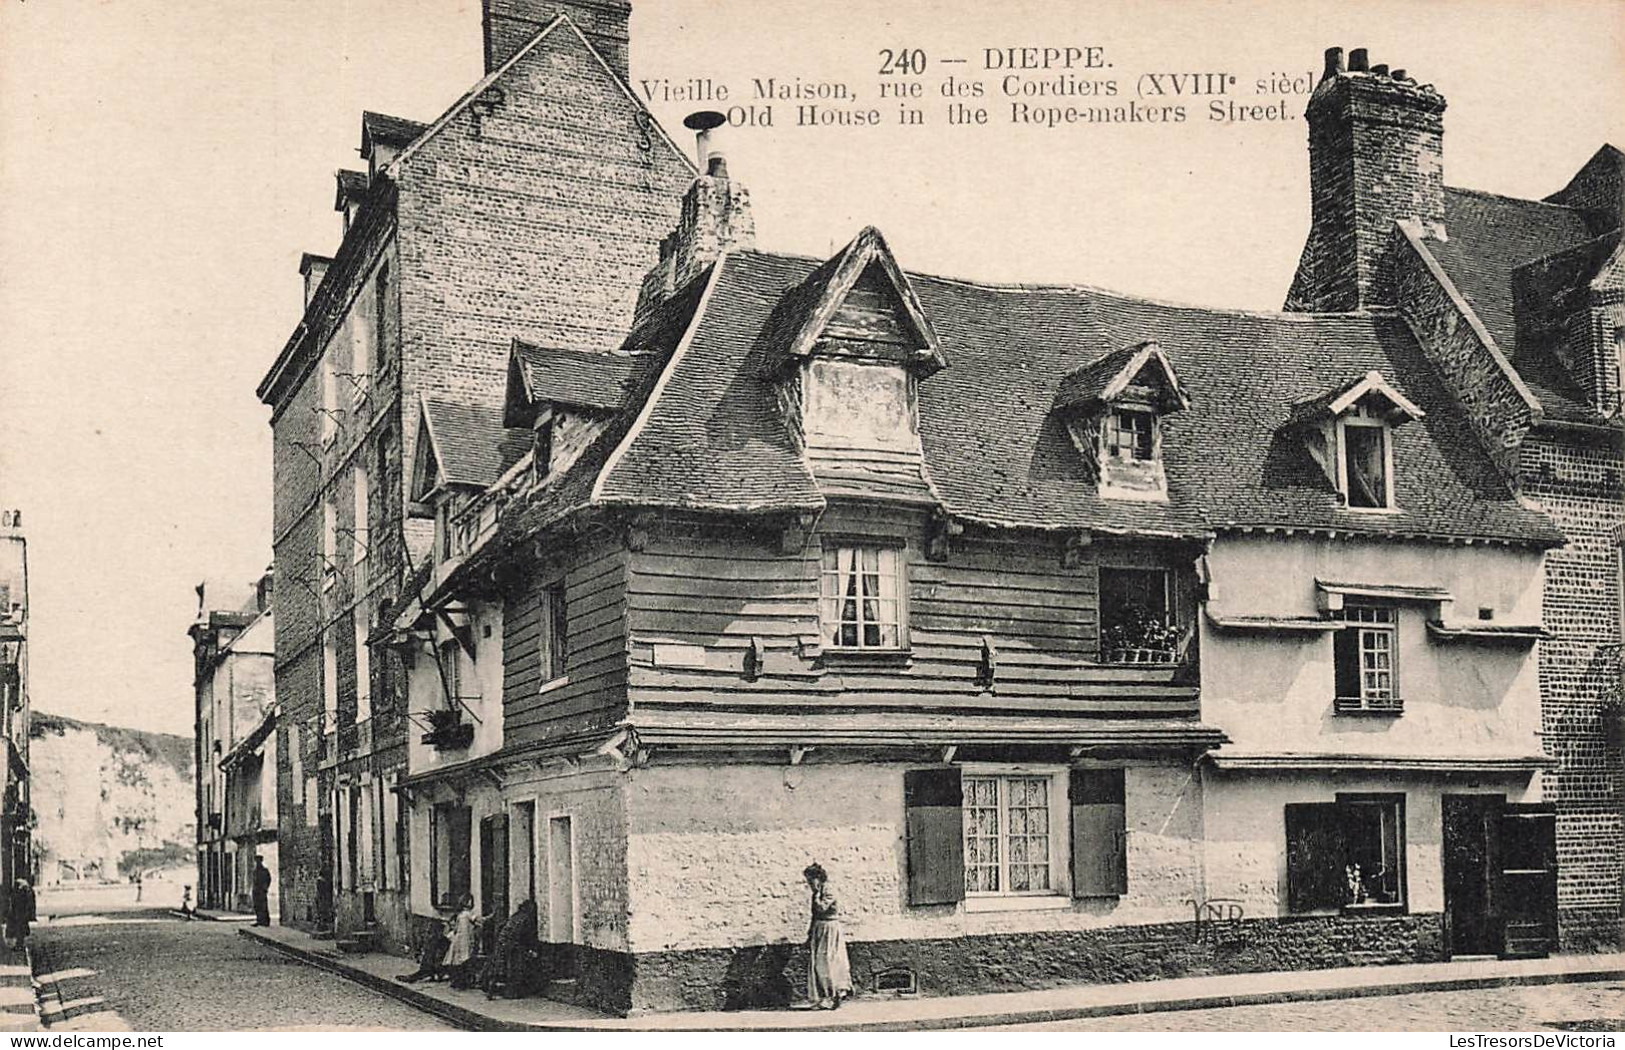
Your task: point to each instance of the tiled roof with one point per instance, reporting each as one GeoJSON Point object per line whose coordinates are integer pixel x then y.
{"type": "Point", "coordinates": [348, 185]}
{"type": "Point", "coordinates": [470, 443]}
{"type": "Point", "coordinates": [1000, 456]}
{"type": "Point", "coordinates": [579, 378]}
{"type": "Point", "coordinates": [1490, 237]}
{"type": "Point", "coordinates": [385, 130]}
{"type": "Point", "coordinates": [572, 491]}
{"type": "Point", "coordinates": [1095, 382]}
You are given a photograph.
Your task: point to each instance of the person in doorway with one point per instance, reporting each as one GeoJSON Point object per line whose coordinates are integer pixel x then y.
{"type": "Point", "coordinates": [262, 892]}
{"type": "Point", "coordinates": [460, 961]}
{"type": "Point", "coordinates": [19, 913]}
{"type": "Point", "coordinates": [829, 973]}
{"type": "Point", "coordinates": [508, 971]}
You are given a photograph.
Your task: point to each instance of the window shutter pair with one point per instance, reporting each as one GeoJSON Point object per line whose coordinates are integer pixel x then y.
{"type": "Point", "coordinates": [1315, 860]}
{"type": "Point", "coordinates": [933, 802]}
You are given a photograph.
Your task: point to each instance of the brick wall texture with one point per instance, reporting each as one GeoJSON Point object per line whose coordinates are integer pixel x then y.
{"type": "Point", "coordinates": [1578, 483]}
{"type": "Point", "coordinates": [1376, 155]}
{"type": "Point", "coordinates": [532, 213]}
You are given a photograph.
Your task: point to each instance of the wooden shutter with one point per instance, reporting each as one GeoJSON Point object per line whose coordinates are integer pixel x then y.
{"type": "Point", "coordinates": [1315, 876]}
{"type": "Point", "coordinates": [1526, 890]}
{"type": "Point", "coordinates": [1346, 661]}
{"type": "Point", "coordinates": [936, 836]}
{"type": "Point", "coordinates": [1099, 834]}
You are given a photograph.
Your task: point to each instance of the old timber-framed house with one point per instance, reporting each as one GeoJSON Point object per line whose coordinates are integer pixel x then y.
{"type": "Point", "coordinates": [956, 589]}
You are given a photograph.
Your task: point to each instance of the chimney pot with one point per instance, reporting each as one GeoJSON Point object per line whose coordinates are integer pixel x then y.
{"type": "Point", "coordinates": [1357, 60]}
{"type": "Point", "coordinates": [1399, 74]}
{"type": "Point", "coordinates": [1381, 69]}
{"type": "Point", "coordinates": [704, 124]}
{"type": "Point", "coordinates": [1334, 63]}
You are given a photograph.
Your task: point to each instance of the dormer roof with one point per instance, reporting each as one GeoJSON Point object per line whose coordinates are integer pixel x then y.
{"type": "Point", "coordinates": [1108, 379]}
{"type": "Point", "coordinates": [805, 314]}
{"type": "Point", "coordinates": [579, 379]}
{"type": "Point", "coordinates": [348, 186]}
{"type": "Point", "coordinates": [381, 129]}
{"type": "Point", "coordinates": [461, 445]}
{"type": "Point", "coordinates": [1370, 389]}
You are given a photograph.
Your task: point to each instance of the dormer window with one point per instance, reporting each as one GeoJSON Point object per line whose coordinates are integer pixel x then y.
{"type": "Point", "coordinates": [1349, 432]}
{"type": "Point", "coordinates": [1113, 408]}
{"type": "Point", "coordinates": [1131, 433]}
{"type": "Point", "coordinates": [1367, 479]}
{"type": "Point", "coordinates": [541, 449]}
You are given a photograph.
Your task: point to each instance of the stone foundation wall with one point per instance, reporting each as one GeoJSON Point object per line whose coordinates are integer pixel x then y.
{"type": "Point", "coordinates": [774, 975]}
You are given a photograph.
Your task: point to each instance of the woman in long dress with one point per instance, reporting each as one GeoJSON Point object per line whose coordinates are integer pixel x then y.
{"type": "Point", "coordinates": [829, 973]}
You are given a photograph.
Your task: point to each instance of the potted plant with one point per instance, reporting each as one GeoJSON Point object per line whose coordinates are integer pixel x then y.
{"type": "Point", "coordinates": [1139, 637]}
{"type": "Point", "coordinates": [447, 730]}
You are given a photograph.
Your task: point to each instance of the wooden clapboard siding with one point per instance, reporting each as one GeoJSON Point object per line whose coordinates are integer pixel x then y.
{"type": "Point", "coordinates": [718, 592]}
{"type": "Point", "coordinates": [595, 593]}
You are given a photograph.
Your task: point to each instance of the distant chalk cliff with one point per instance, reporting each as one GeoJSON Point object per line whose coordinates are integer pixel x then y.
{"type": "Point", "coordinates": [108, 800]}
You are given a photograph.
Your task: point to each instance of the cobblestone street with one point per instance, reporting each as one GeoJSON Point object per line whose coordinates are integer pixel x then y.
{"type": "Point", "coordinates": [1596, 1006]}
{"type": "Point", "coordinates": [158, 973]}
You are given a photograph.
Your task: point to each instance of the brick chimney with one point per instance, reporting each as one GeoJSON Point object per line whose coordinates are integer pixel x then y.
{"type": "Point", "coordinates": [1376, 157]}
{"type": "Point", "coordinates": [716, 218]}
{"type": "Point", "coordinates": [511, 24]}
{"type": "Point", "coordinates": [313, 268]}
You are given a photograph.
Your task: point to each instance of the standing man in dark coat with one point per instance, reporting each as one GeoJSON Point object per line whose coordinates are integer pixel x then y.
{"type": "Point", "coordinates": [19, 914]}
{"type": "Point", "coordinates": [262, 892]}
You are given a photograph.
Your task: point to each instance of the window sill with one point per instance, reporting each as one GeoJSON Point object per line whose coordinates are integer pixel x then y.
{"type": "Point", "coordinates": [869, 656]}
{"type": "Point", "coordinates": [1374, 909]}
{"type": "Point", "coordinates": [552, 684]}
{"type": "Point", "coordinates": [1344, 706]}
{"type": "Point", "coordinates": [1036, 902]}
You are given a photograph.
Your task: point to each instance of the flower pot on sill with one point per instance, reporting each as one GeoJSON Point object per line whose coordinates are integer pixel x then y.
{"type": "Point", "coordinates": [450, 737]}
{"type": "Point", "coordinates": [1139, 656]}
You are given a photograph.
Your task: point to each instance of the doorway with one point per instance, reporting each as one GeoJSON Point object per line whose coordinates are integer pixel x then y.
{"type": "Point", "coordinates": [561, 893]}
{"type": "Point", "coordinates": [494, 868]}
{"type": "Point", "coordinates": [1500, 876]}
{"type": "Point", "coordinates": [522, 850]}
{"type": "Point", "coordinates": [1468, 873]}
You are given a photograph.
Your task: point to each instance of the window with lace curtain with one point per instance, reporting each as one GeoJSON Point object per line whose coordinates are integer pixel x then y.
{"type": "Point", "coordinates": [861, 603]}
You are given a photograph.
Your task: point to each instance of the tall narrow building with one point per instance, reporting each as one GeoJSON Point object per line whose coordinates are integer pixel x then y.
{"type": "Point", "coordinates": [530, 209]}
{"type": "Point", "coordinates": [16, 835]}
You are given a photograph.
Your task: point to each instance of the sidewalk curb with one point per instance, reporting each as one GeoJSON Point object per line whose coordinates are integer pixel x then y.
{"type": "Point", "coordinates": [468, 1020]}
{"type": "Point", "coordinates": [471, 1020]}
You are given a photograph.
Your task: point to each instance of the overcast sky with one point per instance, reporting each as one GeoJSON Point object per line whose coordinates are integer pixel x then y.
{"type": "Point", "coordinates": [163, 164]}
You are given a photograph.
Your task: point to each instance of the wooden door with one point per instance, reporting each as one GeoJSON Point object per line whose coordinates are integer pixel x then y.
{"type": "Point", "coordinates": [494, 868]}
{"type": "Point", "coordinates": [1469, 874]}
{"type": "Point", "coordinates": [1527, 887]}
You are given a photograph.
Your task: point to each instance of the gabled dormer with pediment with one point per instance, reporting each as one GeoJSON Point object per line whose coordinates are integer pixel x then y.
{"type": "Point", "coordinates": [1349, 432]}
{"type": "Point", "coordinates": [1113, 408]}
{"type": "Point", "coordinates": [850, 346]}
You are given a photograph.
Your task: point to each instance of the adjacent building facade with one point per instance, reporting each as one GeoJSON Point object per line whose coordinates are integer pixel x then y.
{"type": "Point", "coordinates": [235, 747]}
{"type": "Point", "coordinates": [16, 815]}
{"type": "Point", "coordinates": [1519, 306]}
{"type": "Point", "coordinates": [529, 208]}
{"type": "Point", "coordinates": [1079, 636]}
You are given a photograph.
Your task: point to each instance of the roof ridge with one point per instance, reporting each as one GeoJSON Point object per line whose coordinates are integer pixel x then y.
{"type": "Point", "coordinates": [1020, 287]}
{"type": "Point", "coordinates": [1510, 197]}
